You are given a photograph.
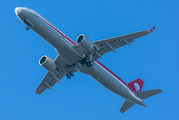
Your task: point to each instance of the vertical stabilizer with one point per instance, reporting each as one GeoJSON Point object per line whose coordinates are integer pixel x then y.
{"type": "Point", "coordinates": [126, 105]}
{"type": "Point", "coordinates": [136, 85]}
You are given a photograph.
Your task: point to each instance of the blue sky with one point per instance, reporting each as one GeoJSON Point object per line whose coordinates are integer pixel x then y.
{"type": "Point", "coordinates": [153, 58]}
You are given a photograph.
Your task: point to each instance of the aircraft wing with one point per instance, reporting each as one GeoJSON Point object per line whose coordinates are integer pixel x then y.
{"type": "Point", "coordinates": [111, 44]}
{"type": "Point", "coordinates": [51, 79]}
{"type": "Point", "coordinates": [47, 82]}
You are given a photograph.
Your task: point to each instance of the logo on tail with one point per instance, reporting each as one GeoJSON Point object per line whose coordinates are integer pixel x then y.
{"type": "Point", "coordinates": [137, 87]}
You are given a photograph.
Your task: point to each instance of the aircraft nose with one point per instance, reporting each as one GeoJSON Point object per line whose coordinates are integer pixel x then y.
{"type": "Point", "coordinates": [18, 10]}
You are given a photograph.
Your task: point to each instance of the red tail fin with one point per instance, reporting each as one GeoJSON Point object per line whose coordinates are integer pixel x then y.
{"type": "Point", "coordinates": [136, 85]}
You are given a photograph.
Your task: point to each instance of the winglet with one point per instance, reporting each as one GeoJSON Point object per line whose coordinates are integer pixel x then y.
{"type": "Point", "coordinates": [151, 30]}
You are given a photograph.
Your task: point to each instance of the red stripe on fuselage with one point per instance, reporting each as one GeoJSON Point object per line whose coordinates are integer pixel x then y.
{"type": "Point", "coordinates": [111, 72]}
{"type": "Point", "coordinates": [96, 60]}
{"type": "Point", "coordinates": [58, 31]}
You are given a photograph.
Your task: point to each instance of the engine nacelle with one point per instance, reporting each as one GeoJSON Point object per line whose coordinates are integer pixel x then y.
{"type": "Point", "coordinates": [85, 42]}
{"type": "Point", "coordinates": [47, 63]}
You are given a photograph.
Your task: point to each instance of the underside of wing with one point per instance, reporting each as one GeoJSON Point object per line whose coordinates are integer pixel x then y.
{"type": "Point", "coordinates": [51, 78]}
{"type": "Point", "coordinates": [48, 81]}
{"type": "Point", "coordinates": [111, 44]}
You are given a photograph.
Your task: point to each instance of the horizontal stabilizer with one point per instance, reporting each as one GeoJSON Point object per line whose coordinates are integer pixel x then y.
{"type": "Point", "coordinates": [126, 105]}
{"type": "Point", "coordinates": [145, 94]}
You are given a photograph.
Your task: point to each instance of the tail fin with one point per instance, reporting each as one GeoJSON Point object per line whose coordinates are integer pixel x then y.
{"type": "Point", "coordinates": [145, 94]}
{"type": "Point", "coordinates": [136, 85]}
{"type": "Point", "coordinates": [126, 105]}
{"type": "Point", "coordinates": [142, 95]}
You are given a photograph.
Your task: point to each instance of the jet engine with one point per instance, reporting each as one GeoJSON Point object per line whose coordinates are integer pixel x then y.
{"type": "Point", "coordinates": [47, 63]}
{"type": "Point", "coordinates": [85, 42]}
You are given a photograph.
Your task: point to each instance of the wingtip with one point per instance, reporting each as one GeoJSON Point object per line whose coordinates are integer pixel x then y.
{"type": "Point", "coordinates": [37, 93]}
{"type": "Point", "coordinates": [151, 30]}
{"type": "Point", "coordinates": [160, 90]}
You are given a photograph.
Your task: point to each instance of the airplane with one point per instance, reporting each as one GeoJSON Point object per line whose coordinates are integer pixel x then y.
{"type": "Point", "coordinates": [83, 56]}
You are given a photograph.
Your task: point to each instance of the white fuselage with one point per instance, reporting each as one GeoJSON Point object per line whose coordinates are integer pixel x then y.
{"type": "Point", "coordinates": [64, 46]}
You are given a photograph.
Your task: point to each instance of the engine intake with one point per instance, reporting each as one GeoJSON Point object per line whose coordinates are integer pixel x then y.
{"type": "Point", "coordinates": [47, 63]}
{"type": "Point", "coordinates": [85, 42]}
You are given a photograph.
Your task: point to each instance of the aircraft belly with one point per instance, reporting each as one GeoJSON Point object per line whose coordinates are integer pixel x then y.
{"type": "Point", "coordinates": [43, 30]}
{"type": "Point", "coordinates": [63, 47]}
{"type": "Point", "coordinates": [106, 80]}
{"type": "Point", "coordinates": [59, 43]}
{"type": "Point", "coordinates": [69, 54]}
